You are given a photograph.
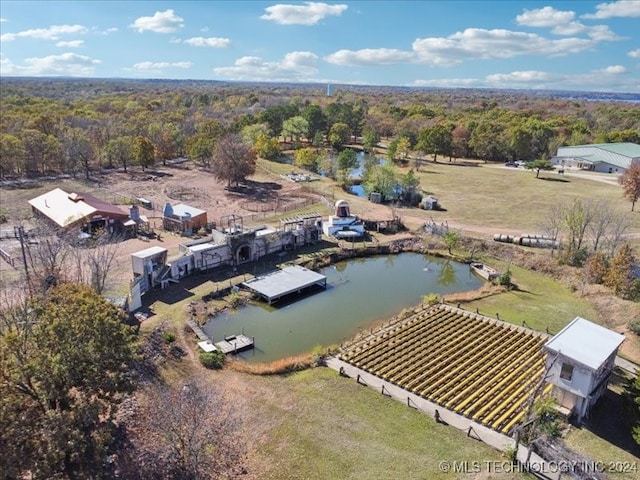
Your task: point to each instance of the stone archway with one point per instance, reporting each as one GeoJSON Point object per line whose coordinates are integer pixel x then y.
{"type": "Point", "coordinates": [244, 254]}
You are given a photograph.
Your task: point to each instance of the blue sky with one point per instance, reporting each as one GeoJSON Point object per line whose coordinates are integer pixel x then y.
{"type": "Point", "coordinates": [570, 45]}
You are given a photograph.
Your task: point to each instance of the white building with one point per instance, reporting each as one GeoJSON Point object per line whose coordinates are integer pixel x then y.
{"type": "Point", "coordinates": [603, 157]}
{"type": "Point", "coordinates": [580, 359]}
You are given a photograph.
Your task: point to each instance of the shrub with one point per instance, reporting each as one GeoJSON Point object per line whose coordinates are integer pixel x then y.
{"type": "Point", "coordinates": [169, 337]}
{"type": "Point", "coordinates": [213, 360]}
{"type": "Point", "coordinates": [431, 299]}
{"type": "Point", "coordinates": [635, 326]}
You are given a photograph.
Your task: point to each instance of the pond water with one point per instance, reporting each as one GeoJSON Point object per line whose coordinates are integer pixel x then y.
{"type": "Point", "coordinates": [357, 172]}
{"type": "Point", "coordinates": [359, 292]}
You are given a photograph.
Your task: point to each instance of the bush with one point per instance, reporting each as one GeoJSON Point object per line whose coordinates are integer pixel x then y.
{"type": "Point", "coordinates": [635, 326]}
{"type": "Point", "coordinates": [431, 299]}
{"type": "Point", "coordinates": [213, 360]}
{"type": "Point", "coordinates": [169, 337]}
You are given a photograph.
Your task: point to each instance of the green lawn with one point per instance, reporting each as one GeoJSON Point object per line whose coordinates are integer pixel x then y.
{"type": "Point", "coordinates": [538, 301]}
{"type": "Point", "coordinates": [329, 427]}
{"type": "Point", "coordinates": [510, 198]}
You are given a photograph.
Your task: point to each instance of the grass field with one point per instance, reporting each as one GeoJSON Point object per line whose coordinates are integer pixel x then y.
{"type": "Point", "coordinates": [326, 426]}
{"type": "Point", "coordinates": [511, 198]}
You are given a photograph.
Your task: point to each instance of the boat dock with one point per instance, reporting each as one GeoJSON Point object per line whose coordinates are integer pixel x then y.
{"type": "Point", "coordinates": [235, 344]}
{"type": "Point", "coordinates": [231, 344]}
{"type": "Point", "coordinates": [196, 329]}
{"type": "Point", "coordinates": [293, 279]}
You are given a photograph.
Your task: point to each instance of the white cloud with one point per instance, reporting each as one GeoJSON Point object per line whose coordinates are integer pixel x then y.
{"type": "Point", "coordinates": [214, 42]}
{"type": "Point", "coordinates": [601, 33]}
{"type": "Point", "coordinates": [613, 70]}
{"type": "Point", "coordinates": [612, 78]}
{"type": "Point", "coordinates": [52, 33]}
{"type": "Point", "coordinates": [105, 32]}
{"type": "Point", "coordinates": [370, 56]}
{"type": "Point", "coordinates": [159, 66]}
{"type": "Point", "coordinates": [634, 53]}
{"type": "Point", "coordinates": [298, 66]}
{"type": "Point", "coordinates": [621, 8]}
{"type": "Point", "coordinates": [571, 28]}
{"type": "Point", "coordinates": [161, 22]}
{"type": "Point", "coordinates": [476, 43]}
{"type": "Point", "coordinates": [66, 64]}
{"type": "Point", "coordinates": [545, 17]}
{"type": "Point", "coordinates": [2, 20]}
{"type": "Point", "coordinates": [308, 14]}
{"type": "Point", "coordinates": [519, 77]}
{"type": "Point", "coordinates": [70, 44]}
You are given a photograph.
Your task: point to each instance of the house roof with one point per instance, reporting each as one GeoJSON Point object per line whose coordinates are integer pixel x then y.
{"type": "Point", "coordinates": [66, 208]}
{"type": "Point", "coordinates": [149, 252]}
{"type": "Point", "coordinates": [183, 209]}
{"type": "Point", "coordinates": [58, 207]}
{"type": "Point", "coordinates": [585, 342]}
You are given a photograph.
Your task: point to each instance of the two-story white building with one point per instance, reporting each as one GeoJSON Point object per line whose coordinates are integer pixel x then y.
{"type": "Point", "coordinates": [580, 359]}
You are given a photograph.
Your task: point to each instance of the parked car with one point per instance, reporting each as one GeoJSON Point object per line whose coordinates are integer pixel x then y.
{"type": "Point", "coordinates": [510, 164]}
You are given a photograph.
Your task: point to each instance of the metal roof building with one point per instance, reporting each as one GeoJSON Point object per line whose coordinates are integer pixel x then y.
{"type": "Point", "coordinates": [65, 209]}
{"type": "Point", "coordinates": [602, 157]}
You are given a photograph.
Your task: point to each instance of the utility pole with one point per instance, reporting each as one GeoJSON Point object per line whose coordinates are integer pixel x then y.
{"type": "Point", "coordinates": [24, 257]}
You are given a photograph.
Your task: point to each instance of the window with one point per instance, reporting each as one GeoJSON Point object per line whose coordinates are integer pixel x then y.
{"type": "Point", "coordinates": [566, 373]}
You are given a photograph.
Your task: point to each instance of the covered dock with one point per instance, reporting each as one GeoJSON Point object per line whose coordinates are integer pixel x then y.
{"type": "Point", "coordinates": [280, 283]}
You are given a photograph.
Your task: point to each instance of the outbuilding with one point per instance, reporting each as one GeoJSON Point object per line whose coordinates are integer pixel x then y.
{"type": "Point", "coordinates": [66, 210]}
{"type": "Point", "coordinates": [183, 218]}
{"type": "Point", "coordinates": [580, 359]}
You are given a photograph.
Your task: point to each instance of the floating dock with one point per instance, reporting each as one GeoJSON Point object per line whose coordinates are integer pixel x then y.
{"type": "Point", "coordinates": [235, 344]}
{"type": "Point", "coordinates": [277, 284]}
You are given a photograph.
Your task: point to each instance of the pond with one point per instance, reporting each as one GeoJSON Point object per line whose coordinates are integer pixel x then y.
{"type": "Point", "coordinates": [356, 173]}
{"type": "Point", "coordinates": [360, 292]}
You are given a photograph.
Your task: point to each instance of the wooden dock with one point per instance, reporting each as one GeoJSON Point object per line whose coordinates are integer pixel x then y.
{"type": "Point", "coordinates": [196, 329]}
{"type": "Point", "coordinates": [235, 344]}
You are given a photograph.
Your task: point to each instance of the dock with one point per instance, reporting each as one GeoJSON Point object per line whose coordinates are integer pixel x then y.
{"type": "Point", "coordinates": [196, 329]}
{"type": "Point", "coordinates": [279, 283]}
{"type": "Point", "coordinates": [235, 344]}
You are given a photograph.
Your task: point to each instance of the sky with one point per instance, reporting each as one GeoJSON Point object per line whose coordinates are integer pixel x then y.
{"type": "Point", "coordinates": [552, 45]}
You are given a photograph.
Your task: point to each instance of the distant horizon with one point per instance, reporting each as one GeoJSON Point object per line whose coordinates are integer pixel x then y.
{"type": "Point", "coordinates": [556, 45]}
{"type": "Point", "coordinates": [614, 96]}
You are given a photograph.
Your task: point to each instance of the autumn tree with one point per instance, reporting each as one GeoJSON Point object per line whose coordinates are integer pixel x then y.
{"type": "Point", "coordinates": [620, 274]}
{"type": "Point", "coordinates": [267, 147]}
{"type": "Point", "coordinates": [339, 134]}
{"type": "Point", "coordinates": [119, 151]}
{"type": "Point", "coordinates": [143, 152]}
{"type": "Point", "coordinates": [233, 160]}
{"type": "Point", "coordinates": [64, 367]}
{"type": "Point", "coordinates": [630, 181]}
{"type": "Point", "coordinates": [307, 158]}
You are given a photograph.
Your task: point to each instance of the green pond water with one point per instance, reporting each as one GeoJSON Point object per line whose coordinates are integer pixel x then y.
{"type": "Point", "coordinates": [360, 292]}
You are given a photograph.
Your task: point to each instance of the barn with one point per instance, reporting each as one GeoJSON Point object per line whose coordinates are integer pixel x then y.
{"type": "Point", "coordinates": [602, 158]}
{"type": "Point", "coordinates": [67, 210]}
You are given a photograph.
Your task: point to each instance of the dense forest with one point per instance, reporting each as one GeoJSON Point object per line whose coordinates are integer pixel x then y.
{"type": "Point", "coordinates": [79, 126]}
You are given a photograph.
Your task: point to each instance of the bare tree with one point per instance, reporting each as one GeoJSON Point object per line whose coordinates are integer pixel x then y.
{"type": "Point", "coordinates": [192, 432]}
{"type": "Point", "coordinates": [92, 264]}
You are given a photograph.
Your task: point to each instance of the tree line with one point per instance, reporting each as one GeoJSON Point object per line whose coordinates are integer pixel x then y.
{"type": "Point", "coordinates": [68, 129]}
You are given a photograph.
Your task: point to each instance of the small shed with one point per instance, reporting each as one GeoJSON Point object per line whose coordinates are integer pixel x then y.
{"type": "Point", "coordinates": [430, 203]}
{"type": "Point", "coordinates": [580, 359]}
{"type": "Point", "coordinates": [183, 218]}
